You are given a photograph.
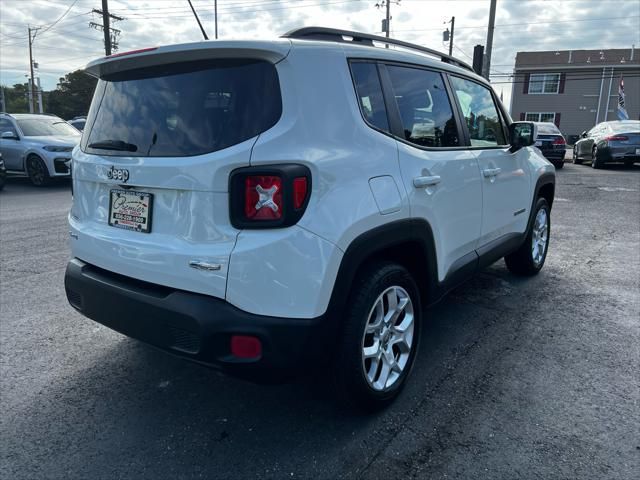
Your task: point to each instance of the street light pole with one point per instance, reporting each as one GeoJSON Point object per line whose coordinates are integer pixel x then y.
{"type": "Point", "coordinates": [215, 9]}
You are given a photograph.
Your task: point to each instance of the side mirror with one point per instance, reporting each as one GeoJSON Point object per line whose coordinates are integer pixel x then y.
{"type": "Point", "coordinates": [522, 134]}
{"type": "Point", "coordinates": [583, 134]}
{"type": "Point", "coordinates": [9, 136]}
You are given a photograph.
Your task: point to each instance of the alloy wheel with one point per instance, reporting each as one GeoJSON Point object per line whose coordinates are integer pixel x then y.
{"type": "Point", "coordinates": [388, 338]}
{"type": "Point", "coordinates": [540, 236]}
{"type": "Point", "coordinates": [36, 172]}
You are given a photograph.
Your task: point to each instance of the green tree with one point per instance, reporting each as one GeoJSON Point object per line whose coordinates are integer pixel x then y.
{"type": "Point", "coordinates": [73, 95]}
{"type": "Point", "coordinates": [16, 98]}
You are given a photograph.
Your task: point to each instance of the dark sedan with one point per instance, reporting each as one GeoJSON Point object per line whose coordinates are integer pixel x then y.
{"type": "Point", "coordinates": [617, 141]}
{"type": "Point", "coordinates": [551, 143]}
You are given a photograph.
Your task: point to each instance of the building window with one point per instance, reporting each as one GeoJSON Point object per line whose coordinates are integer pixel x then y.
{"type": "Point", "coordinates": [540, 117]}
{"type": "Point", "coordinates": [544, 83]}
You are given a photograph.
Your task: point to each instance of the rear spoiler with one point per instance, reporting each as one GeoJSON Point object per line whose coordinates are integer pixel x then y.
{"type": "Point", "coordinates": [272, 51]}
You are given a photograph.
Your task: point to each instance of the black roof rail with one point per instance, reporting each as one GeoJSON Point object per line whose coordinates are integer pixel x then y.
{"type": "Point", "coordinates": [337, 35]}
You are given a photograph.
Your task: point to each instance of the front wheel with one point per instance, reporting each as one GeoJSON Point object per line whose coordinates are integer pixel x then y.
{"type": "Point", "coordinates": [37, 171]}
{"type": "Point", "coordinates": [380, 338]}
{"type": "Point", "coordinates": [529, 258]}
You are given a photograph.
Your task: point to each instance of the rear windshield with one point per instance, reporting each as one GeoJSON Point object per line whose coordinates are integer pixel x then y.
{"type": "Point", "coordinates": [625, 127]}
{"type": "Point", "coordinates": [183, 109]}
{"type": "Point", "coordinates": [548, 129]}
{"type": "Point", "coordinates": [46, 127]}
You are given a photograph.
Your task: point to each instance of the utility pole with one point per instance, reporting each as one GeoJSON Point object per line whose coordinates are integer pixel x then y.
{"type": "Point", "coordinates": [492, 22]}
{"type": "Point", "coordinates": [106, 28]}
{"type": "Point", "coordinates": [32, 100]}
{"type": "Point", "coordinates": [386, 22]}
{"type": "Point", "coordinates": [388, 17]}
{"type": "Point", "coordinates": [453, 24]}
{"type": "Point", "coordinates": [215, 10]}
{"type": "Point", "coordinates": [110, 34]}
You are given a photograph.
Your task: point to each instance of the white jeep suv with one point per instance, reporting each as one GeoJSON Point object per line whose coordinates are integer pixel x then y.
{"type": "Point", "coordinates": [266, 205]}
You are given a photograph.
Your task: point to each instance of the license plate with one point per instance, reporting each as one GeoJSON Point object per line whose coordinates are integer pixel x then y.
{"type": "Point", "coordinates": [130, 210]}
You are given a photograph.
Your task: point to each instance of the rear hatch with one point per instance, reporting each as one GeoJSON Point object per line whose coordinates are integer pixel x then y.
{"type": "Point", "coordinates": [165, 129]}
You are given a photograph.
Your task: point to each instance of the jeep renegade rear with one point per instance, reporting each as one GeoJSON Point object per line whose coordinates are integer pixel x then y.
{"type": "Point", "coordinates": [264, 206]}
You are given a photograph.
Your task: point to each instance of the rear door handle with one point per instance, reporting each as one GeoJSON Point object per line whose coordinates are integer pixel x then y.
{"type": "Point", "coordinates": [491, 172]}
{"type": "Point", "coordinates": [421, 182]}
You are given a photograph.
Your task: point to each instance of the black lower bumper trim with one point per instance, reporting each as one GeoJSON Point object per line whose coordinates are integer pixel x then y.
{"type": "Point", "coordinates": [191, 325]}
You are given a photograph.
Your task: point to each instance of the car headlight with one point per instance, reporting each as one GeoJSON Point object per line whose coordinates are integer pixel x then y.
{"type": "Point", "coordinates": [56, 148]}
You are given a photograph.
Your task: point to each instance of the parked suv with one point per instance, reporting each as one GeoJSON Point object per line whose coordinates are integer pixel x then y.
{"type": "Point", "coordinates": [263, 205]}
{"type": "Point", "coordinates": [617, 141]}
{"type": "Point", "coordinates": [38, 146]}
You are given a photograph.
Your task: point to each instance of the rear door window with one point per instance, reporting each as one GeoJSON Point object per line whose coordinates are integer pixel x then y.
{"type": "Point", "coordinates": [424, 107]}
{"type": "Point", "coordinates": [183, 109]}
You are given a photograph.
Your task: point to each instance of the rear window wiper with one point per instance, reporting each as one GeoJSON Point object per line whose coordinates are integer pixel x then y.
{"type": "Point", "coordinates": [114, 145]}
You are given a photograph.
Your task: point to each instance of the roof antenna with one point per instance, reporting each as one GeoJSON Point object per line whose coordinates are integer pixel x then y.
{"type": "Point", "coordinates": [204, 34]}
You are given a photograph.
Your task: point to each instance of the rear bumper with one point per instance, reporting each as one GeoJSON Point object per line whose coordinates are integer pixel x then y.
{"type": "Point", "coordinates": [619, 153]}
{"type": "Point", "coordinates": [554, 155]}
{"type": "Point", "coordinates": [193, 326]}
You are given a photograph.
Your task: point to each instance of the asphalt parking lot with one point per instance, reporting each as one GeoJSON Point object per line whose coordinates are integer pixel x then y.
{"type": "Point", "coordinates": [534, 378]}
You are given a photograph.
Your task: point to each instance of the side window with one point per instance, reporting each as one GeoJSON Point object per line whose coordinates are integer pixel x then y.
{"type": "Point", "coordinates": [369, 92]}
{"type": "Point", "coordinates": [425, 109]}
{"type": "Point", "coordinates": [480, 113]}
{"type": "Point", "coordinates": [6, 126]}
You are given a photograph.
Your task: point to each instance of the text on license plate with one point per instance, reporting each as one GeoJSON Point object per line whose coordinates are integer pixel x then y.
{"type": "Point", "coordinates": [130, 210]}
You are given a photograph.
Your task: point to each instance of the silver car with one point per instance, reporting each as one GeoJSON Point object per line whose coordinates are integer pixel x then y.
{"type": "Point", "coordinates": [617, 141]}
{"type": "Point", "coordinates": [38, 146]}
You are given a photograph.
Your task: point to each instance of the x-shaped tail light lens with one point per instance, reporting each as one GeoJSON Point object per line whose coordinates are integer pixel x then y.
{"type": "Point", "coordinates": [263, 197]}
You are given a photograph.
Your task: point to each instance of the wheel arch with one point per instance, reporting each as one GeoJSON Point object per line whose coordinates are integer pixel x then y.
{"type": "Point", "coordinates": [409, 242]}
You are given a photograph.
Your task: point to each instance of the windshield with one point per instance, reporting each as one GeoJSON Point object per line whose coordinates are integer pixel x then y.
{"type": "Point", "coordinates": [46, 126]}
{"type": "Point", "coordinates": [183, 109]}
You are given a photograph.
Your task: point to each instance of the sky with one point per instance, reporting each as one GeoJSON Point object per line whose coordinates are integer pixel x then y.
{"type": "Point", "coordinates": [66, 41]}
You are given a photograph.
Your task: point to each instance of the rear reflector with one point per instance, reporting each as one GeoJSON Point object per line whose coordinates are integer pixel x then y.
{"type": "Point", "coordinates": [559, 141]}
{"type": "Point", "coordinates": [243, 346]}
{"type": "Point", "coordinates": [263, 197]}
{"type": "Point", "coordinates": [617, 138]}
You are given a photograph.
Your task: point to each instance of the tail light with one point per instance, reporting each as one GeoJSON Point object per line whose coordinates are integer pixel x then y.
{"type": "Point", "coordinates": [273, 196]}
{"type": "Point", "coordinates": [617, 138]}
{"type": "Point", "coordinates": [559, 141]}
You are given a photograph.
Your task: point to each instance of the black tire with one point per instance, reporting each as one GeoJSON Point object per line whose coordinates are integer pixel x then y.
{"type": "Point", "coordinates": [628, 164]}
{"type": "Point", "coordinates": [350, 367]}
{"type": "Point", "coordinates": [37, 171]}
{"type": "Point", "coordinates": [522, 262]}
{"type": "Point", "coordinates": [576, 160]}
{"type": "Point", "coordinates": [596, 161]}
{"type": "Point", "coordinates": [558, 165]}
